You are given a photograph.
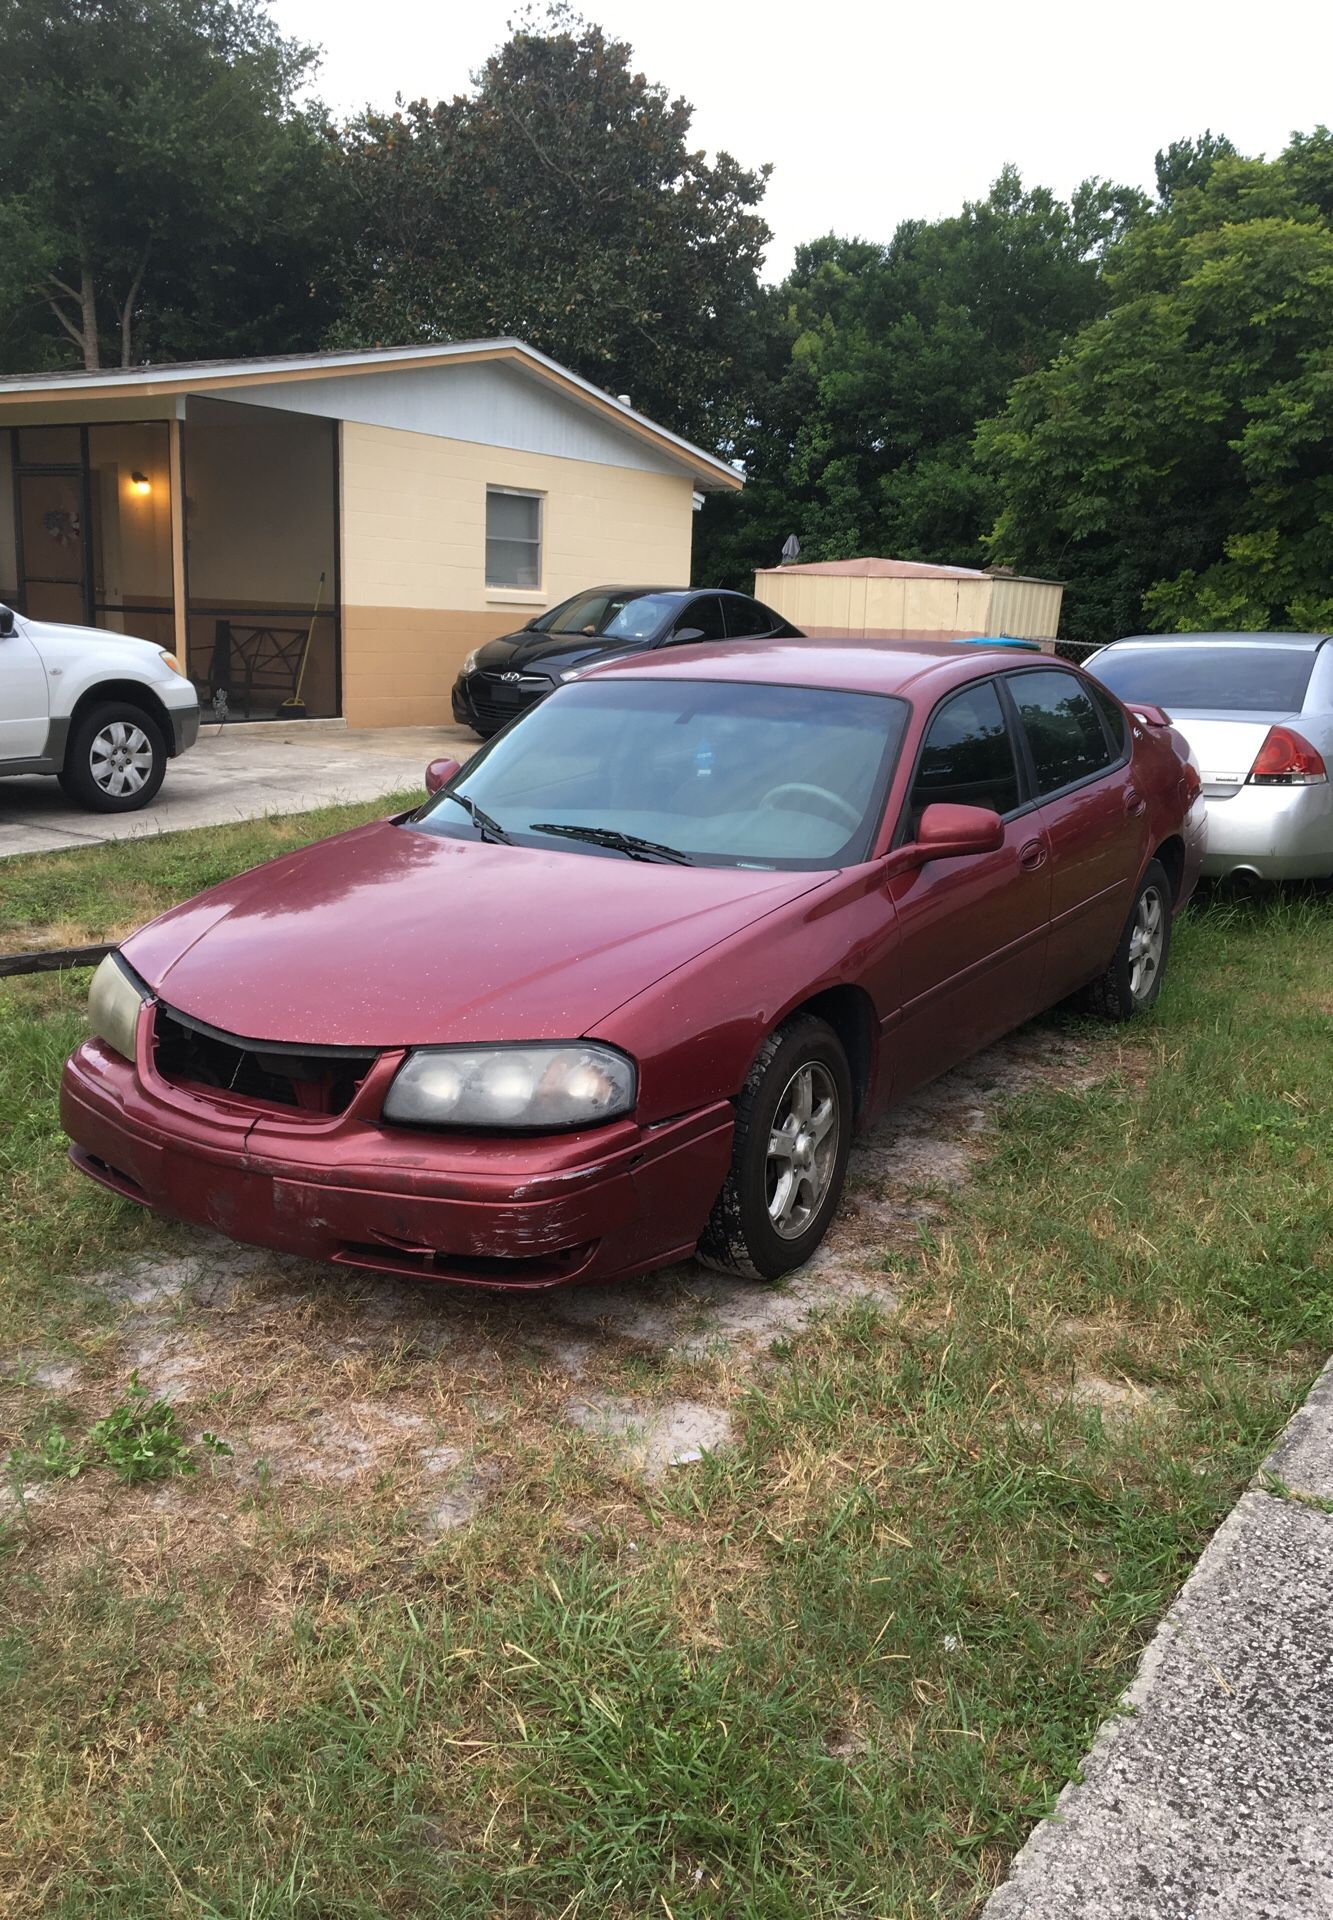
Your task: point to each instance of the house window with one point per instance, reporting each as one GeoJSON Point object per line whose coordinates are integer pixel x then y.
{"type": "Point", "coordinates": [513, 538]}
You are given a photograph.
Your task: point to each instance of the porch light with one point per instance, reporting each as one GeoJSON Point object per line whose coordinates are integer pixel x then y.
{"type": "Point", "coordinates": [140, 483]}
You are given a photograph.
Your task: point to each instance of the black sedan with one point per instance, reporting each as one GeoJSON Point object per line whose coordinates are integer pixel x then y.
{"type": "Point", "coordinates": [505, 676]}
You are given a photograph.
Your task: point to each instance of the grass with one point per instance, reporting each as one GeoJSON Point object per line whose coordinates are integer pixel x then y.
{"type": "Point", "coordinates": [837, 1670]}
{"type": "Point", "coordinates": [86, 895]}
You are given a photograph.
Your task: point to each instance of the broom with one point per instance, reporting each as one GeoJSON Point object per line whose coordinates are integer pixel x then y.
{"type": "Point", "coordinates": [294, 706]}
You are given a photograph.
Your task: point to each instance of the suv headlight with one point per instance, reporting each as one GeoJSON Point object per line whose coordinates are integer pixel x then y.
{"type": "Point", "coordinates": [540, 1088]}
{"type": "Point", "coordinates": [470, 664]}
{"type": "Point", "coordinates": [114, 1000]}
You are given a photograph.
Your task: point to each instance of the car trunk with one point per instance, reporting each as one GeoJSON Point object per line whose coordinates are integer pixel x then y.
{"type": "Point", "coordinates": [1226, 745]}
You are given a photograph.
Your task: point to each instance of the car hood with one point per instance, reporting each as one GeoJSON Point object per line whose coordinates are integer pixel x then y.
{"type": "Point", "coordinates": [61, 635]}
{"type": "Point", "coordinates": [388, 936]}
{"type": "Point", "coordinates": [548, 652]}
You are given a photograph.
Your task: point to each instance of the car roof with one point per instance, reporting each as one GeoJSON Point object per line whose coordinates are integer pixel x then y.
{"type": "Point", "coordinates": [1307, 642]}
{"type": "Point", "coordinates": [926, 667]}
{"type": "Point", "coordinates": [681, 593]}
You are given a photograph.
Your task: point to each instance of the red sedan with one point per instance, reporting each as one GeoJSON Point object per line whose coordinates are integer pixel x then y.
{"type": "Point", "coordinates": [624, 987]}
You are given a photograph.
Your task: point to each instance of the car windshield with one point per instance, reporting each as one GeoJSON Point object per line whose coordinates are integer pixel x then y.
{"type": "Point", "coordinates": [626, 615]}
{"type": "Point", "coordinates": [723, 772]}
{"type": "Point", "coordinates": [1224, 679]}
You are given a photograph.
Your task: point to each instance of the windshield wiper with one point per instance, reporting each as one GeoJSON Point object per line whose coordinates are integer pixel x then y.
{"type": "Point", "coordinates": [488, 829]}
{"type": "Point", "coordinates": [626, 843]}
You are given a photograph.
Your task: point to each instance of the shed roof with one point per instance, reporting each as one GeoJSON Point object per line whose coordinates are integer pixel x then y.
{"type": "Point", "coordinates": [874, 569]}
{"type": "Point", "coordinates": [216, 376]}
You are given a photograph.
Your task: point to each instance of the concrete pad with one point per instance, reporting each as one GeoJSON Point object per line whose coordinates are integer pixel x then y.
{"type": "Point", "coordinates": [1213, 1800]}
{"type": "Point", "coordinates": [238, 773]}
{"type": "Point", "coordinates": [1302, 1460]}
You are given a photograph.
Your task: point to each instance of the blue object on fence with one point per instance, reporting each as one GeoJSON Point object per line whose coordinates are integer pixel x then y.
{"type": "Point", "coordinates": [999, 640]}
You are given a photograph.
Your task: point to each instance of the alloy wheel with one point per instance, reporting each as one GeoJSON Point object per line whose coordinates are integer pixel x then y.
{"type": "Point", "coordinates": [1147, 939]}
{"type": "Point", "coordinates": [802, 1149]}
{"type": "Point", "coordinates": [120, 758]}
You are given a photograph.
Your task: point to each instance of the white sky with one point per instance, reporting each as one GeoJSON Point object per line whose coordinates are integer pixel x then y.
{"type": "Point", "coordinates": [878, 113]}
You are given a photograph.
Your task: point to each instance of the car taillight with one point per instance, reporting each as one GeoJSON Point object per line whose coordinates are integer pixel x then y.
{"type": "Point", "coordinates": [1287, 760]}
{"type": "Point", "coordinates": [1191, 781]}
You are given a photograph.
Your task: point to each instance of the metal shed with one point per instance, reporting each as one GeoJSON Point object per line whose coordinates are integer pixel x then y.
{"type": "Point", "coordinates": [910, 600]}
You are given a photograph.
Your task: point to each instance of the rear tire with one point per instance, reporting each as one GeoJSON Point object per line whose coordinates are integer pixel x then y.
{"type": "Point", "coordinates": [789, 1156]}
{"type": "Point", "coordinates": [1134, 978]}
{"type": "Point", "coordinates": [115, 759]}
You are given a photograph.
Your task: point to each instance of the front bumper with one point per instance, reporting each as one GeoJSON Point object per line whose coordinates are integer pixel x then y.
{"type": "Point", "coordinates": [525, 1212]}
{"type": "Point", "coordinates": [1271, 833]}
{"type": "Point", "coordinates": [488, 701]}
{"type": "Point", "coordinates": [184, 728]}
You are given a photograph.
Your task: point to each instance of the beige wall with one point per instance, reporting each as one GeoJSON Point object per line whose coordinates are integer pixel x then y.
{"type": "Point", "coordinates": [414, 589]}
{"type": "Point", "coordinates": [841, 605]}
{"type": "Point", "coordinates": [1028, 609]}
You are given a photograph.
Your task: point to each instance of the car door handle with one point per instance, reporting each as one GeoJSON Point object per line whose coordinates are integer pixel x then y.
{"type": "Point", "coordinates": [1135, 804]}
{"type": "Point", "coordinates": [1032, 855]}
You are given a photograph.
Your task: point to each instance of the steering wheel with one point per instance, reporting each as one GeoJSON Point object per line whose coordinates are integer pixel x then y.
{"type": "Point", "coordinates": [842, 809]}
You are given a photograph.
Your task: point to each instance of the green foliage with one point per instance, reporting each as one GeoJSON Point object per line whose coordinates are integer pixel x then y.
{"type": "Point", "coordinates": [159, 191]}
{"type": "Point", "coordinates": [137, 1441]}
{"type": "Point", "coordinates": [561, 202]}
{"type": "Point", "coordinates": [877, 363]}
{"type": "Point", "coordinates": [1173, 461]}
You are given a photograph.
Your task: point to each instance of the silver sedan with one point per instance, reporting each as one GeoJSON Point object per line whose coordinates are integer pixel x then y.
{"type": "Point", "coordinates": [1257, 711]}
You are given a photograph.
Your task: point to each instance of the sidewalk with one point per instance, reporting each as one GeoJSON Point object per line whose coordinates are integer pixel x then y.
{"type": "Point", "coordinates": [238, 773]}
{"type": "Point", "coordinates": [1212, 1797]}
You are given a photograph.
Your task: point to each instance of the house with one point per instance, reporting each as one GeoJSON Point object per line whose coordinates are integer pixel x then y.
{"type": "Point", "coordinates": [345, 524]}
{"type": "Point", "coordinates": [909, 600]}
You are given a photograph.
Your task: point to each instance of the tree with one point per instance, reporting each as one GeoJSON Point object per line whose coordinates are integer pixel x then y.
{"type": "Point", "coordinates": [879, 362]}
{"type": "Point", "coordinates": [560, 202]}
{"type": "Point", "coordinates": [158, 187]}
{"type": "Point", "coordinates": [1174, 461]}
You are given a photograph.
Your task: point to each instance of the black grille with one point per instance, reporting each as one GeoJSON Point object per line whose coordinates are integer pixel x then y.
{"type": "Point", "coordinates": [318, 1080]}
{"type": "Point", "coordinates": [495, 705]}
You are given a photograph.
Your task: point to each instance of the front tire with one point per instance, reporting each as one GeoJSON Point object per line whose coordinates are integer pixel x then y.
{"type": "Point", "coordinates": [1134, 978]}
{"type": "Point", "coordinates": [789, 1157]}
{"type": "Point", "coordinates": [115, 759]}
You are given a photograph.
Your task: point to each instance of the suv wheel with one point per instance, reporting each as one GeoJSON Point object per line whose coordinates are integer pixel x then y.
{"type": "Point", "coordinates": [789, 1158]}
{"type": "Point", "coordinates": [115, 758]}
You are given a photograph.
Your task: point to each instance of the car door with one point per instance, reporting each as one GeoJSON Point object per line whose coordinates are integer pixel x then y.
{"type": "Point", "coordinates": [1095, 819]}
{"type": "Point", "coordinates": [24, 698]}
{"type": "Point", "coordinates": [701, 619]}
{"type": "Point", "coordinates": [972, 929]}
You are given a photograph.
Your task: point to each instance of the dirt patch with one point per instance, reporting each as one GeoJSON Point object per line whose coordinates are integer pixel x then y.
{"type": "Point", "coordinates": [320, 1378]}
{"type": "Point", "coordinates": [653, 1438]}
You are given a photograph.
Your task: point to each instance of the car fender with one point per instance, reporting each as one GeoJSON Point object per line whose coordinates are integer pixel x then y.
{"type": "Point", "coordinates": [696, 1032]}
{"type": "Point", "coordinates": [79, 659]}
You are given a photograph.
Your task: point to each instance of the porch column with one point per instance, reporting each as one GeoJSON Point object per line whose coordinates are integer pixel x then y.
{"type": "Point", "coordinates": [182, 625]}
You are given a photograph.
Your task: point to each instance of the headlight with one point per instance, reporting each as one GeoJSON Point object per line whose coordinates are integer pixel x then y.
{"type": "Point", "coordinates": [470, 664]}
{"type": "Point", "coordinates": [538, 1088]}
{"type": "Point", "coordinates": [114, 1000]}
{"type": "Point", "coordinates": [572, 673]}
{"type": "Point", "coordinates": [170, 660]}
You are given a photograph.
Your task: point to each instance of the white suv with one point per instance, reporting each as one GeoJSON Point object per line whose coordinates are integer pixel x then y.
{"type": "Point", "coordinates": [101, 711]}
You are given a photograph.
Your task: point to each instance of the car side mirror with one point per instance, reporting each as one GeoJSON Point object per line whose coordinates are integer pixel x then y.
{"type": "Point", "coordinates": [8, 624]}
{"type": "Point", "coordinates": [440, 772]}
{"type": "Point", "coordinates": [948, 832]}
{"type": "Point", "coordinates": [683, 635]}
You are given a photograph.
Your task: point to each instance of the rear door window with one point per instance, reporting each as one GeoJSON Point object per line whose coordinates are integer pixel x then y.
{"type": "Point", "coordinates": [746, 619]}
{"type": "Point", "coordinates": [1064, 730]}
{"type": "Point", "coordinates": [967, 757]}
{"type": "Point", "coordinates": [702, 618]}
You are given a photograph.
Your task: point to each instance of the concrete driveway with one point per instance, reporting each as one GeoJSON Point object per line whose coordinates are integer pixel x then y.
{"type": "Point", "coordinates": [238, 773]}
